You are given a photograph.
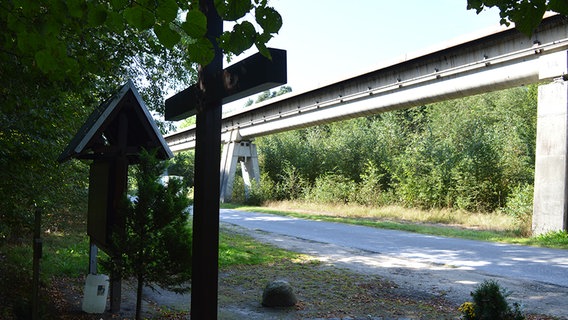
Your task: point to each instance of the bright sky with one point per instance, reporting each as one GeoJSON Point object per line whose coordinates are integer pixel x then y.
{"type": "Point", "coordinates": [329, 40]}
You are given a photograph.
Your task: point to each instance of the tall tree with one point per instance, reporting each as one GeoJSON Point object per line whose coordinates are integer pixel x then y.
{"type": "Point", "coordinates": [58, 59]}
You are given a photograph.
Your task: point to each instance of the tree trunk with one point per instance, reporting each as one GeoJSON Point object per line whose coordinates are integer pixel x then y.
{"type": "Point", "coordinates": [139, 296]}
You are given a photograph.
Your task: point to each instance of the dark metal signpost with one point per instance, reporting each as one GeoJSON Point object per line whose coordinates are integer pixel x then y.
{"type": "Point", "coordinates": [205, 99]}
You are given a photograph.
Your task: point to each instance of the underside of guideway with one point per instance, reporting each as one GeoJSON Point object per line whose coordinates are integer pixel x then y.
{"type": "Point", "coordinates": [497, 60]}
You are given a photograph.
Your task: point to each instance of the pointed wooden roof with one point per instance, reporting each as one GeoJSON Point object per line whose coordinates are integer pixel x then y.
{"type": "Point", "coordinates": [122, 125]}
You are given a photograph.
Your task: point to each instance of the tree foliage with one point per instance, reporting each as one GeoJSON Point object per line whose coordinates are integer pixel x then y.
{"type": "Point", "coordinates": [526, 14]}
{"type": "Point", "coordinates": [474, 153]}
{"type": "Point", "coordinates": [155, 246]}
{"type": "Point", "coordinates": [59, 59]}
{"type": "Point", "coordinates": [268, 94]}
{"type": "Point", "coordinates": [182, 165]}
{"type": "Point", "coordinates": [57, 35]}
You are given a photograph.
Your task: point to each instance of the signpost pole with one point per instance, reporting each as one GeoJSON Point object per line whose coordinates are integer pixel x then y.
{"type": "Point", "coordinates": [37, 248]}
{"type": "Point", "coordinates": [205, 256]}
{"type": "Point", "coordinates": [205, 100]}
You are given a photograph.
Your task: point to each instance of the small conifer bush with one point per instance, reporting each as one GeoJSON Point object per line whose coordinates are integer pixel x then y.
{"type": "Point", "coordinates": [490, 303]}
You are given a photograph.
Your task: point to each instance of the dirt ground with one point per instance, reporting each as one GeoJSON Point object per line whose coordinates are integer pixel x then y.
{"type": "Point", "coordinates": [323, 292]}
{"type": "Point", "coordinates": [335, 284]}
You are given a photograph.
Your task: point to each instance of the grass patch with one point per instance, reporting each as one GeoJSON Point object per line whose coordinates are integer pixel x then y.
{"type": "Point", "coordinates": [60, 258]}
{"type": "Point", "coordinates": [63, 254]}
{"type": "Point", "coordinates": [67, 254]}
{"type": "Point", "coordinates": [237, 249]}
{"type": "Point", "coordinates": [554, 239]}
{"type": "Point", "coordinates": [457, 224]}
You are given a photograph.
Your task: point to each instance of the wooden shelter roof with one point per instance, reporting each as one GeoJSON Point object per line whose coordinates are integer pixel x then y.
{"type": "Point", "coordinates": [122, 125]}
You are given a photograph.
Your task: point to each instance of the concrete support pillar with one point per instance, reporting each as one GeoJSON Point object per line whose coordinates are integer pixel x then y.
{"type": "Point", "coordinates": [551, 175]}
{"type": "Point", "coordinates": [243, 152]}
{"type": "Point", "coordinates": [249, 167]}
{"type": "Point", "coordinates": [228, 168]}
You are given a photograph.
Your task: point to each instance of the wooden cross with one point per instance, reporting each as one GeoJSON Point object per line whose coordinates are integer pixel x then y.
{"type": "Point", "coordinates": [205, 100]}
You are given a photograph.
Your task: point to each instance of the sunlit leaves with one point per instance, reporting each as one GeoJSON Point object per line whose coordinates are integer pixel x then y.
{"type": "Point", "coordinates": [476, 5]}
{"type": "Point", "coordinates": [28, 42]}
{"type": "Point", "coordinates": [560, 6]}
{"type": "Point", "coordinates": [115, 21]}
{"type": "Point", "coordinates": [76, 8]}
{"type": "Point", "coordinates": [269, 19]}
{"type": "Point", "coordinates": [260, 44]}
{"type": "Point", "coordinates": [201, 51]}
{"type": "Point", "coordinates": [271, 22]}
{"type": "Point", "coordinates": [119, 4]}
{"type": "Point", "coordinates": [526, 14]}
{"type": "Point", "coordinates": [45, 61]}
{"type": "Point", "coordinates": [54, 60]}
{"type": "Point", "coordinates": [240, 38]}
{"type": "Point", "coordinates": [14, 23]}
{"type": "Point", "coordinates": [33, 28]}
{"type": "Point", "coordinates": [97, 18]}
{"type": "Point", "coordinates": [96, 15]}
{"type": "Point", "coordinates": [233, 10]}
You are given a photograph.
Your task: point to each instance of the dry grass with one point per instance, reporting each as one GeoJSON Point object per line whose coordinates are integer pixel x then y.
{"type": "Point", "coordinates": [472, 220]}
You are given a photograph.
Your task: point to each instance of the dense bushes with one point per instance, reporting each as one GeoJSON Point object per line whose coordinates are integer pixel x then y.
{"type": "Point", "coordinates": [475, 153]}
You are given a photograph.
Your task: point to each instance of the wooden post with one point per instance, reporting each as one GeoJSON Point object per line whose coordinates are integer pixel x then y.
{"type": "Point", "coordinates": [204, 283]}
{"type": "Point", "coordinates": [205, 100]}
{"type": "Point", "coordinates": [119, 186]}
{"type": "Point", "coordinates": [93, 251]}
{"type": "Point", "coordinates": [37, 248]}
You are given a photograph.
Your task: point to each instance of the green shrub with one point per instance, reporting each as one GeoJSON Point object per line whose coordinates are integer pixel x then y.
{"type": "Point", "coordinates": [554, 239]}
{"type": "Point", "coordinates": [332, 188]}
{"type": "Point", "coordinates": [260, 192]}
{"type": "Point", "coordinates": [490, 303]}
{"type": "Point", "coordinates": [292, 184]}
{"type": "Point", "coordinates": [238, 195]}
{"type": "Point", "coordinates": [520, 206]}
{"type": "Point", "coordinates": [370, 191]}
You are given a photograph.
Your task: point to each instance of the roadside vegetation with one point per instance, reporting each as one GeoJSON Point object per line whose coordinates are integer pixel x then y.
{"type": "Point", "coordinates": [474, 154]}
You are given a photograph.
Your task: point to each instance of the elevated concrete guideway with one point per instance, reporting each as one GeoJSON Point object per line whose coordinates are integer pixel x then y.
{"type": "Point", "coordinates": [497, 60]}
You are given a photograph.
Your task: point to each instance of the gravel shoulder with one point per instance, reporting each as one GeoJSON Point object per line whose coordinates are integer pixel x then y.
{"type": "Point", "coordinates": [455, 284]}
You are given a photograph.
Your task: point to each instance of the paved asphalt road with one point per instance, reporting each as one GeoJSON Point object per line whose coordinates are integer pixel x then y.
{"type": "Point", "coordinates": [541, 275]}
{"type": "Point", "coordinates": [512, 261]}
